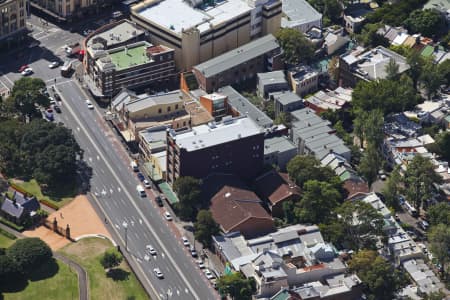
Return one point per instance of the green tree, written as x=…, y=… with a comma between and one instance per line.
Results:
x=370, y=164
x=392, y=189
x=29, y=254
x=26, y=93
x=297, y=48
x=439, y=238
x=444, y=70
x=333, y=68
x=442, y=142
x=283, y=118
x=205, y=227
x=11, y=132
x=306, y=167
x=318, y=202
x=363, y=233
x=392, y=70
x=288, y=212
x=188, y=190
x=369, y=36
x=111, y=259
x=377, y=274
x=372, y=126
x=8, y=269
x=418, y=180
x=439, y=214
x=431, y=78
x=359, y=125
x=386, y=95
x=236, y=286
x=415, y=62
x=428, y=22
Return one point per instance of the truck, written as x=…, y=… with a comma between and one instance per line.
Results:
x=73, y=49
x=66, y=69
x=141, y=191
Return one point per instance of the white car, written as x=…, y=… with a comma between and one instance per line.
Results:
x=185, y=241
x=193, y=252
x=52, y=100
x=53, y=65
x=208, y=274
x=27, y=71
x=151, y=250
x=158, y=273
x=168, y=216
x=89, y=104
x=147, y=184
x=200, y=264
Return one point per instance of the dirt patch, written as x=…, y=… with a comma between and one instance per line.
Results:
x=88, y=247
x=81, y=218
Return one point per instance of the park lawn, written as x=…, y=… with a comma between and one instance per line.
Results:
x=53, y=281
x=87, y=252
x=33, y=188
x=5, y=241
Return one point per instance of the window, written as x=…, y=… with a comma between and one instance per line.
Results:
x=159, y=110
x=176, y=106
x=168, y=108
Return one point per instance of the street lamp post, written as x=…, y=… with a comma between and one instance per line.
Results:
x=125, y=226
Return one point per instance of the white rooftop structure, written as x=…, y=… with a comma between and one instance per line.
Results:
x=118, y=34
x=208, y=135
x=300, y=14
x=179, y=15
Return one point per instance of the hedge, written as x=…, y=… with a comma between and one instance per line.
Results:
x=11, y=224
x=49, y=204
x=7, y=234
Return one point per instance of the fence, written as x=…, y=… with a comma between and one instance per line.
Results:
x=53, y=225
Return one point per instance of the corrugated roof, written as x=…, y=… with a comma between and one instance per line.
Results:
x=238, y=56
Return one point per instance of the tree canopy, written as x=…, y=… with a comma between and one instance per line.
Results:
x=377, y=274
x=306, y=167
x=442, y=145
x=428, y=22
x=385, y=95
x=369, y=36
x=439, y=238
x=26, y=92
x=394, y=13
x=189, y=192
x=330, y=9
x=297, y=48
x=418, y=180
x=29, y=253
x=431, y=78
x=439, y=214
x=370, y=164
x=237, y=286
x=111, y=259
x=205, y=227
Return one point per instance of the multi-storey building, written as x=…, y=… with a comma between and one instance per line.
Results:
x=199, y=30
x=66, y=10
x=234, y=146
x=12, y=19
x=238, y=65
x=117, y=57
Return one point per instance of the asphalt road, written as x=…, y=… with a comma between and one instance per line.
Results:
x=113, y=184
x=113, y=188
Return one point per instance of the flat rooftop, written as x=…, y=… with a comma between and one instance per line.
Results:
x=124, y=58
x=117, y=34
x=298, y=12
x=204, y=136
x=178, y=15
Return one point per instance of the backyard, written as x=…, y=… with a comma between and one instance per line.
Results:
x=87, y=252
x=5, y=241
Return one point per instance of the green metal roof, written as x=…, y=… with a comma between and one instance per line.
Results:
x=282, y=295
x=447, y=118
x=168, y=192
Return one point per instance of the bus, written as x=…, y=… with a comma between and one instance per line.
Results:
x=411, y=210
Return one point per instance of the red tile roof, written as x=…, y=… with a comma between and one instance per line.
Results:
x=275, y=186
x=232, y=206
x=355, y=186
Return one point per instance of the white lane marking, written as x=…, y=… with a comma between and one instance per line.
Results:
x=140, y=221
x=175, y=265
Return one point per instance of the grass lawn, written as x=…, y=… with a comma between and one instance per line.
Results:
x=54, y=280
x=87, y=252
x=5, y=241
x=33, y=188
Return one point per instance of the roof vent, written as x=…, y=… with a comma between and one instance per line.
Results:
x=227, y=195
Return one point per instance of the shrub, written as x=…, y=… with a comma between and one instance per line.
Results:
x=7, y=234
x=11, y=224
x=112, y=258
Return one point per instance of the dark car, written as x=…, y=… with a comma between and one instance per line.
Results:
x=57, y=108
x=57, y=97
x=140, y=176
x=159, y=201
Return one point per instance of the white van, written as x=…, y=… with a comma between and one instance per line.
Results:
x=141, y=190
x=134, y=166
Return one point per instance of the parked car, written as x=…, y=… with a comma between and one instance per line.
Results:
x=22, y=68
x=168, y=216
x=89, y=104
x=49, y=114
x=147, y=184
x=193, y=252
x=208, y=274
x=423, y=224
x=57, y=97
x=27, y=71
x=200, y=264
x=158, y=273
x=185, y=241
x=53, y=65
x=159, y=201
x=141, y=176
x=57, y=108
